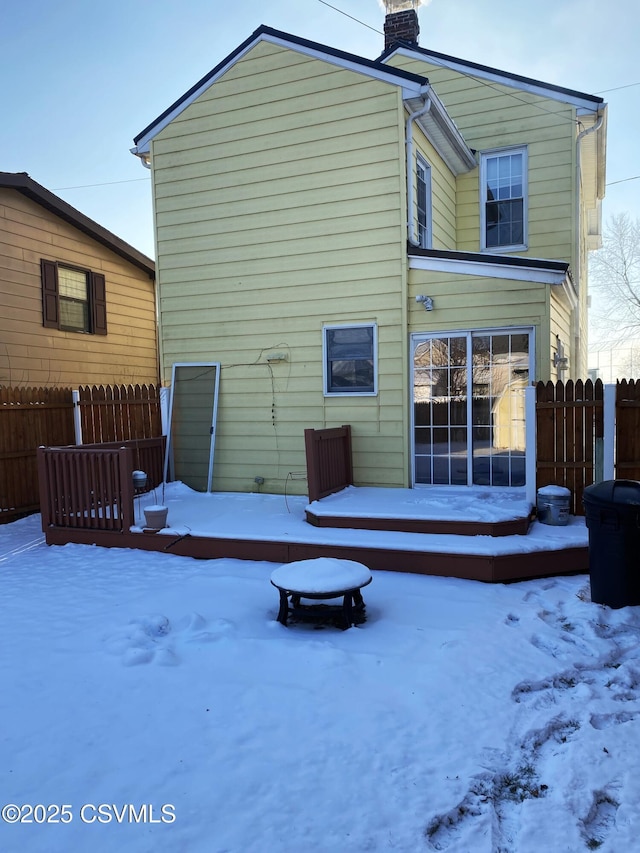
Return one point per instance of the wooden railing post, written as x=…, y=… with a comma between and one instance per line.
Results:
x=125, y=460
x=43, y=487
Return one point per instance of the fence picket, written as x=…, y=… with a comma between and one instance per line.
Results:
x=34, y=417
x=569, y=421
x=628, y=429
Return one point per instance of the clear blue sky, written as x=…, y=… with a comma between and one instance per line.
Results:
x=80, y=78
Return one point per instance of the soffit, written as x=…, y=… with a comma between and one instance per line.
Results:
x=21, y=182
x=440, y=129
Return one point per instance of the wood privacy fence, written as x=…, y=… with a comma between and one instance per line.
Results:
x=34, y=417
x=119, y=412
x=628, y=429
x=29, y=417
x=571, y=428
x=569, y=433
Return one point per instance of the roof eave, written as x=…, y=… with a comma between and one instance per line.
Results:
x=581, y=100
x=410, y=83
x=485, y=264
x=22, y=183
x=440, y=129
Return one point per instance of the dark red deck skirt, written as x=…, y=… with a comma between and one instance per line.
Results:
x=497, y=569
x=513, y=527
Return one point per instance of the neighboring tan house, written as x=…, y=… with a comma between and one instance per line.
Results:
x=396, y=244
x=77, y=302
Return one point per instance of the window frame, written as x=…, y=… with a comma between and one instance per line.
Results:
x=326, y=373
x=64, y=298
x=485, y=156
x=96, y=298
x=425, y=238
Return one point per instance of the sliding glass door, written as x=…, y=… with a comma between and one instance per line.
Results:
x=468, y=407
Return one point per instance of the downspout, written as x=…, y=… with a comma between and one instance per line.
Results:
x=580, y=137
x=409, y=145
x=426, y=106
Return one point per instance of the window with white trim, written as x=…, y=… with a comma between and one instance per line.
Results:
x=423, y=202
x=503, y=208
x=349, y=359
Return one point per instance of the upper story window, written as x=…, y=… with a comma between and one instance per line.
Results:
x=423, y=193
x=503, y=187
x=349, y=358
x=73, y=299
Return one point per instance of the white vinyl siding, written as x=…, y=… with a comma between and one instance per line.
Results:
x=280, y=199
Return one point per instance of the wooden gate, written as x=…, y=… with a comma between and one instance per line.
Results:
x=627, y=465
x=569, y=426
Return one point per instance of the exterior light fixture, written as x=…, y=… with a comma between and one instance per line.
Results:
x=427, y=302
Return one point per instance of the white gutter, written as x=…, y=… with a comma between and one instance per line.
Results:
x=409, y=146
x=144, y=157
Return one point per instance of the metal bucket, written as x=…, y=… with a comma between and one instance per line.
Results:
x=553, y=505
x=139, y=479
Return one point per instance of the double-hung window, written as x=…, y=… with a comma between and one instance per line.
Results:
x=349, y=359
x=423, y=202
x=503, y=189
x=73, y=299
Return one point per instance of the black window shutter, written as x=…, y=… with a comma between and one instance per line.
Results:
x=50, y=316
x=99, y=303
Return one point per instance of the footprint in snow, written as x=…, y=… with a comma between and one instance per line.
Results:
x=605, y=721
x=601, y=817
x=153, y=638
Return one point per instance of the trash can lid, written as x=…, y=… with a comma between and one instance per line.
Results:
x=613, y=492
x=554, y=491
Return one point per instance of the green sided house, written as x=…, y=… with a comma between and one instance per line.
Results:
x=397, y=244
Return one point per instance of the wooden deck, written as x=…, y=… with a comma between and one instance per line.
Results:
x=512, y=527
x=87, y=497
x=499, y=568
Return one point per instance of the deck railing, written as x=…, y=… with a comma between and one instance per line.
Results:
x=329, y=465
x=91, y=486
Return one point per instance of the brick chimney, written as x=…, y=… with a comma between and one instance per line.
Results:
x=401, y=26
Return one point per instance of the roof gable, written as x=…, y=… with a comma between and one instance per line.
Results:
x=580, y=100
x=416, y=90
x=411, y=84
x=22, y=183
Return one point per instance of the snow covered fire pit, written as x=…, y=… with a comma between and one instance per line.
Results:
x=317, y=580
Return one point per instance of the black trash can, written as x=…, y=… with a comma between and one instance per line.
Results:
x=612, y=510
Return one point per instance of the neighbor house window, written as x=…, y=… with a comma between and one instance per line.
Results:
x=350, y=354
x=73, y=299
x=423, y=199
x=503, y=187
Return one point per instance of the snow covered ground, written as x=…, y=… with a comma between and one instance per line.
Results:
x=152, y=703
